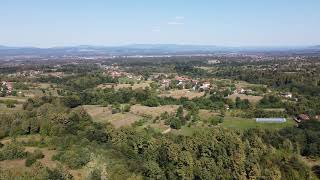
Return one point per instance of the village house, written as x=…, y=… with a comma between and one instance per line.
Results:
x=317, y=117
x=139, y=78
x=113, y=67
x=239, y=91
x=213, y=61
x=301, y=118
x=243, y=91
x=8, y=85
x=182, y=81
x=115, y=74
x=205, y=86
x=195, y=84
x=287, y=95
x=165, y=83
x=160, y=76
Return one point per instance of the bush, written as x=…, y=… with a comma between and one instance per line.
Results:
x=175, y=123
x=75, y=158
x=95, y=175
x=139, y=123
x=115, y=111
x=58, y=174
x=32, y=157
x=215, y=120
x=10, y=103
x=38, y=154
x=151, y=102
x=126, y=108
x=30, y=160
x=12, y=151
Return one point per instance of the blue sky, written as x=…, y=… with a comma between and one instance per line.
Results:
x=46, y=23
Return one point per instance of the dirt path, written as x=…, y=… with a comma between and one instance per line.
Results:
x=166, y=131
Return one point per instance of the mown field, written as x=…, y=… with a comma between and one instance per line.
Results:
x=104, y=115
x=252, y=99
x=141, y=85
x=242, y=123
x=177, y=94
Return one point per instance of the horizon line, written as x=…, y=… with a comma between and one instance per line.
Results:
x=154, y=44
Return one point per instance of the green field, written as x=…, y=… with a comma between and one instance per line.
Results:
x=16, y=98
x=5, y=109
x=241, y=123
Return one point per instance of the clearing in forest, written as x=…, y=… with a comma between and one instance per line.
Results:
x=153, y=111
x=104, y=114
x=177, y=94
x=252, y=99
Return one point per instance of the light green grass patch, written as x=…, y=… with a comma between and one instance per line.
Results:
x=242, y=123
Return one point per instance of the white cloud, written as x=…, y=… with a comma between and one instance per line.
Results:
x=175, y=23
x=156, y=29
x=178, y=20
x=179, y=17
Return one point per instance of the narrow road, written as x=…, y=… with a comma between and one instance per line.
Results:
x=166, y=131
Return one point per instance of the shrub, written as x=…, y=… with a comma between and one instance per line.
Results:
x=32, y=157
x=139, y=123
x=95, y=175
x=115, y=111
x=126, y=108
x=10, y=103
x=215, y=120
x=75, y=158
x=58, y=174
x=175, y=123
x=151, y=102
x=30, y=160
x=12, y=151
x=38, y=154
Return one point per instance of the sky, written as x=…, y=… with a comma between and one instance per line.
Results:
x=49, y=23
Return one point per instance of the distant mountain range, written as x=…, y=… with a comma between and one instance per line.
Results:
x=145, y=49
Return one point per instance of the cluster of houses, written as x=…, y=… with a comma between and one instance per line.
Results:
x=113, y=71
x=243, y=91
x=8, y=86
x=117, y=74
x=304, y=117
x=287, y=95
x=29, y=73
x=186, y=83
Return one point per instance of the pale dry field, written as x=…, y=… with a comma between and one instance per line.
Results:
x=243, y=84
x=206, y=114
x=141, y=85
x=252, y=99
x=177, y=94
x=19, y=99
x=153, y=111
x=104, y=114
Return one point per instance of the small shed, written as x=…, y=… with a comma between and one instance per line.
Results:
x=271, y=120
x=302, y=117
